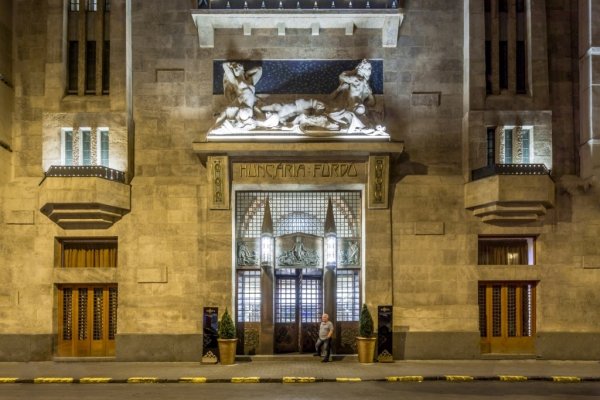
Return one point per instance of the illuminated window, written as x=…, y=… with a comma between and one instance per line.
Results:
x=73, y=5
x=102, y=147
x=348, y=296
x=506, y=251
x=85, y=146
x=510, y=145
x=92, y=5
x=248, y=298
x=66, y=150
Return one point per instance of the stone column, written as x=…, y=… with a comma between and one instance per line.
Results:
x=329, y=289
x=266, y=310
x=589, y=87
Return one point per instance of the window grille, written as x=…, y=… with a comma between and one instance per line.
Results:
x=482, y=311
x=73, y=5
x=285, y=300
x=527, y=310
x=67, y=327
x=496, y=311
x=298, y=212
x=311, y=296
x=86, y=147
x=67, y=146
x=347, y=295
x=511, y=311
x=248, y=298
x=98, y=313
x=82, y=320
x=112, y=312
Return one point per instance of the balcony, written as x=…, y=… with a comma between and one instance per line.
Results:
x=84, y=197
x=510, y=193
x=312, y=16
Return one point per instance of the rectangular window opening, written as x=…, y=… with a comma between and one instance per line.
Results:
x=73, y=67
x=506, y=251
x=90, y=67
x=87, y=253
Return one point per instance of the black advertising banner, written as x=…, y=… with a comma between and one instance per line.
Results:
x=384, y=334
x=210, y=324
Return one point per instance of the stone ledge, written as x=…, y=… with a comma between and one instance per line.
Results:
x=510, y=198
x=84, y=202
x=306, y=150
x=387, y=20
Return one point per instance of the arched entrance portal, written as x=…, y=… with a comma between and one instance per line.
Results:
x=298, y=254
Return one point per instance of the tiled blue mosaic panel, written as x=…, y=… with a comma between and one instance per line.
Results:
x=300, y=76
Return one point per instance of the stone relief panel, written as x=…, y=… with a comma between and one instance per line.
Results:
x=379, y=181
x=349, y=109
x=248, y=252
x=218, y=176
x=299, y=251
x=349, y=252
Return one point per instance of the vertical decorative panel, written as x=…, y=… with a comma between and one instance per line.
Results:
x=518, y=145
x=112, y=312
x=67, y=310
x=98, y=311
x=218, y=182
x=82, y=320
x=379, y=180
x=500, y=143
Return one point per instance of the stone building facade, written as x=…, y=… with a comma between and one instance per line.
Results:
x=475, y=216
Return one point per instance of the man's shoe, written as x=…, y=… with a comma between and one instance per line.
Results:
x=325, y=360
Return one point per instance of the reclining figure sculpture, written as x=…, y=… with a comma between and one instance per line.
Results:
x=347, y=113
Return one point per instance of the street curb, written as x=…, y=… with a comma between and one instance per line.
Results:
x=302, y=379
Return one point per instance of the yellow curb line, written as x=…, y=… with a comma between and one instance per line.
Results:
x=347, y=379
x=53, y=380
x=566, y=379
x=298, y=379
x=406, y=378
x=513, y=378
x=95, y=380
x=245, y=379
x=142, y=379
x=8, y=380
x=459, y=378
x=192, y=379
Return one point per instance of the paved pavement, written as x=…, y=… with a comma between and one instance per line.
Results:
x=302, y=369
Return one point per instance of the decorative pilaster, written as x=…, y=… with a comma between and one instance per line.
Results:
x=379, y=181
x=218, y=182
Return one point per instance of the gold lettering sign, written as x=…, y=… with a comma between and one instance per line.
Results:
x=345, y=171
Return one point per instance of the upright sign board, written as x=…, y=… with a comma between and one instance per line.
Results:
x=384, y=334
x=210, y=324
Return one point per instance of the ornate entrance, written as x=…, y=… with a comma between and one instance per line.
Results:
x=290, y=248
x=298, y=309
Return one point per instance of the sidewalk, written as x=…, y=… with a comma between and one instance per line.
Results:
x=299, y=371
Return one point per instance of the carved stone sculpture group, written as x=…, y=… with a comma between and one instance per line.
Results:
x=348, y=110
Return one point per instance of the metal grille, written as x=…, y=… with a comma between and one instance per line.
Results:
x=348, y=295
x=98, y=311
x=248, y=303
x=298, y=212
x=311, y=298
x=285, y=309
x=67, y=313
x=496, y=311
x=527, y=310
x=112, y=312
x=512, y=311
x=82, y=314
x=482, y=308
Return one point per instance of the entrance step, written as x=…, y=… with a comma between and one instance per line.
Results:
x=293, y=357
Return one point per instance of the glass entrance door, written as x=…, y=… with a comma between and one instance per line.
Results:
x=298, y=309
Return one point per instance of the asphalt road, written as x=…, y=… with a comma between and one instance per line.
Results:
x=325, y=391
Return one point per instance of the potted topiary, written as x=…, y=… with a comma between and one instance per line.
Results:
x=365, y=343
x=227, y=339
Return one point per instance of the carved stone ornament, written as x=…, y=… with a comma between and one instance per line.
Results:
x=299, y=251
x=348, y=111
